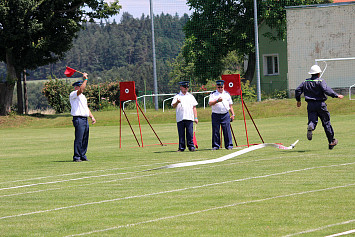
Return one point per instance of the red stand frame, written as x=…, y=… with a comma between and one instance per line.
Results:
x=233, y=86
x=127, y=92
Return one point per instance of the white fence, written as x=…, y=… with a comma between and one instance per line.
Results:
x=172, y=96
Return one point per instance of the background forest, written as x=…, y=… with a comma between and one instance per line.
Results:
x=118, y=52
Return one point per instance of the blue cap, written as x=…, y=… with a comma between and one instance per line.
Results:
x=78, y=83
x=219, y=82
x=184, y=83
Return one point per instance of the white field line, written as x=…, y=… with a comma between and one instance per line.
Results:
x=100, y=176
x=171, y=191
x=132, y=172
x=77, y=173
x=342, y=233
x=105, y=170
x=321, y=228
x=135, y=177
x=210, y=209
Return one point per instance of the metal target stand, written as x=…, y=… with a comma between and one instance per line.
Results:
x=233, y=87
x=128, y=92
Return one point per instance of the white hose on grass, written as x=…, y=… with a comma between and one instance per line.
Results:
x=227, y=157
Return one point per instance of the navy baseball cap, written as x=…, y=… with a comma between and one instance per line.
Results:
x=184, y=83
x=78, y=83
x=219, y=82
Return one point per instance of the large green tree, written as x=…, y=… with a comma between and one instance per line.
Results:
x=217, y=27
x=34, y=33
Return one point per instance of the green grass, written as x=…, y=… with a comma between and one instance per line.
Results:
x=267, y=192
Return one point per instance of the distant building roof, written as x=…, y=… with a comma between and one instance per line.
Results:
x=335, y=3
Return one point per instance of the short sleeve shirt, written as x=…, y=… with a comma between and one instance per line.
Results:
x=184, y=110
x=223, y=106
x=79, y=105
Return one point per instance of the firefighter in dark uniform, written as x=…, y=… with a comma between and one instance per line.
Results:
x=315, y=91
x=221, y=103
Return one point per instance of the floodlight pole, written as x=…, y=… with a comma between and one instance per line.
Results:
x=258, y=89
x=154, y=58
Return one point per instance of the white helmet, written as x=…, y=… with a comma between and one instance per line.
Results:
x=315, y=69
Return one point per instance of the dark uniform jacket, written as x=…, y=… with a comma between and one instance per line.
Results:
x=314, y=89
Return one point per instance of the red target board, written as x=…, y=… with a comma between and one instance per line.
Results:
x=127, y=91
x=232, y=84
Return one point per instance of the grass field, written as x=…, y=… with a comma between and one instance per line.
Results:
x=307, y=191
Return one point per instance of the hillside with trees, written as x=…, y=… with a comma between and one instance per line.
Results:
x=122, y=51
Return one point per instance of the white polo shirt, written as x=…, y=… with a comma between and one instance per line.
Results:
x=79, y=104
x=184, y=110
x=223, y=106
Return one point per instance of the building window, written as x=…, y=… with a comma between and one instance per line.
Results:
x=271, y=64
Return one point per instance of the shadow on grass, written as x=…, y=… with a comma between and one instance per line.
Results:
x=175, y=151
x=49, y=116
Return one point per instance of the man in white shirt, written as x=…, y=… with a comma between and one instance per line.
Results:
x=80, y=112
x=186, y=113
x=221, y=103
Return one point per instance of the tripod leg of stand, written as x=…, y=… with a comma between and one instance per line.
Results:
x=253, y=122
x=131, y=127
x=236, y=144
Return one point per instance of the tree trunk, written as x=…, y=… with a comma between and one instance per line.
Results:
x=25, y=91
x=6, y=92
x=19, y=95
x=7, y=87
x=249, y=74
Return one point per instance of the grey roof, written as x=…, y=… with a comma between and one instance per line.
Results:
x=320, y=5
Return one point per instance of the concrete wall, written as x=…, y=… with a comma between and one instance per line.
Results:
x=321, y=32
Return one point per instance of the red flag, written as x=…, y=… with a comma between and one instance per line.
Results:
x=232, y=84
x=194, y=138
x=69, y=72
x=127, y=91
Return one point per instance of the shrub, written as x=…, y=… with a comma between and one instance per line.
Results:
x=104, y=96
x=57, y=93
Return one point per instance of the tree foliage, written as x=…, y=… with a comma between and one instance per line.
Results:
x=34, y=33
x=218, y=27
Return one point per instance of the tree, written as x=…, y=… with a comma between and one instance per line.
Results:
x=218, y=27
x=34, y=33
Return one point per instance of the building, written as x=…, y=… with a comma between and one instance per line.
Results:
x=323, y=31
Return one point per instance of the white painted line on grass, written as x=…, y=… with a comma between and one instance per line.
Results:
x=342, y=233
x=77, y=173
x=209, y=209
x=134, y=177
x=320, y=228
x=105, y=170
x=171, y=191
x=107, y=175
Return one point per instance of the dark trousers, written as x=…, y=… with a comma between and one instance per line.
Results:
x=81, y=141
x=188, y=126
x=223, y=120
x=319, y=109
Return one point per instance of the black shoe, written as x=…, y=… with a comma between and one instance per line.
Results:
x=179, y=150
x=214, y=148
x=77, y=160
x=192, y=149
x=333, y=144
x=309, y=132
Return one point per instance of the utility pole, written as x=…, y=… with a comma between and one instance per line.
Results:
x=154, y=58
x=258, y=88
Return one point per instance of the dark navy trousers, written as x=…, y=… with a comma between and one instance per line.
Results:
x=223, y=120
x=319, y=109
x=188, y=126
x=81, y=141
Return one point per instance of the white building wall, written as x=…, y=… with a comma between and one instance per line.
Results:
x=321, y=32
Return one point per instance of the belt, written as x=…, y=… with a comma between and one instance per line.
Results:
x=80, y=117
